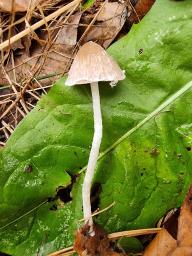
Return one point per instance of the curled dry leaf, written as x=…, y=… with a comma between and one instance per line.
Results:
x=99, y=244
x=165, y=245
x=108, y=24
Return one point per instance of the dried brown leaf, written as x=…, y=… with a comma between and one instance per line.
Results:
x=21, y=5
x=16, y=5
x=68, y=33
x=182, y=251
x=165, y=245
x=53, y=58
x=109, y=22
x=162, y=245
x=184, y=235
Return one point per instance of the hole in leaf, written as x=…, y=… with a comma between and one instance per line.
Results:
x=188, y=148
x=64, y=194
x=28, y=168
x=95, y=192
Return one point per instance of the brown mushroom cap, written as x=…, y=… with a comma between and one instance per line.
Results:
x=92, y=64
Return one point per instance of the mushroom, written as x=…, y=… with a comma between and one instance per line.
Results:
x=91, y=65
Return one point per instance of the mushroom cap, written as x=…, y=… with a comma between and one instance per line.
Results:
x=92, y=64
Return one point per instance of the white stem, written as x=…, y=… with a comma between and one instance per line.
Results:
x=86, y=191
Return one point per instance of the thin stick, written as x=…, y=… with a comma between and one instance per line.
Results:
x=69, y=249
x=6, y=133
x=38, y=24
x=38, y=83
x=7, y=126
x=20, y=111
x=24, y=106
x=15, y=23
x=103, y=210
x=137, y=232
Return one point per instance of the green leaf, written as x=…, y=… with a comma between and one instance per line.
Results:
x=87, y=4
x=145, y=159
x=130, y=244
x=43, y=229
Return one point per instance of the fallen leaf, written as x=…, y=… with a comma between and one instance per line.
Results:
x=51, y=58
x=182, y=251
x=162, y=245
x=108, y=24
x=165, y=245
x=68, y=33
x=184, y=236
x=60, y=53
x=20, y=5
x=17, y=5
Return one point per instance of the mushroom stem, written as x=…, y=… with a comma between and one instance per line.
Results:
x=86, y=191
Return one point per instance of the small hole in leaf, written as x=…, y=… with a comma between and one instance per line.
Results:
x=64, y=194
x=53, y=207
x=179, y=155
x=50, y=199
x=28, y=168
x=188, y=148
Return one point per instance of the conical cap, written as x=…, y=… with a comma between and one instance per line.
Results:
x=92, y=64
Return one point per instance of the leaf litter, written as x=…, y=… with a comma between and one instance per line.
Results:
x=165, y=244
x=32, y=63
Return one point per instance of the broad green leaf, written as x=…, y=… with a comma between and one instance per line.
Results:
x=145, y=163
